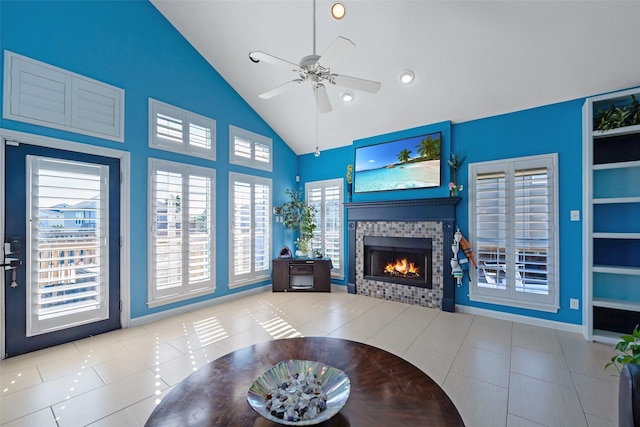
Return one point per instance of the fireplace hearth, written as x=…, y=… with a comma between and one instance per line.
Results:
x=404, y=260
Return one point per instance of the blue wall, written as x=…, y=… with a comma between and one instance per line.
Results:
x=129, y=44
x=554, y=128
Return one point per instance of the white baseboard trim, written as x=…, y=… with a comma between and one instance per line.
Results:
x=561, y=326
x=181, y=310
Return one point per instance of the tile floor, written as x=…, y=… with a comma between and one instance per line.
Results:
x=497, y=373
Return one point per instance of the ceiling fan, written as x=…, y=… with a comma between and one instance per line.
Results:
x=317, y=70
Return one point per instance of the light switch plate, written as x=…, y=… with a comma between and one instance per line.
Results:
x=574, y=304
x=575, y=215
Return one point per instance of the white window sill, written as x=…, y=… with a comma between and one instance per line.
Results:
x=549, y=308
x=177, y=298
x=248, y=282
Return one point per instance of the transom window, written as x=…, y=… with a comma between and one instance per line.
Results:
x=180, y=131
x=513, y=217
x=249, y=149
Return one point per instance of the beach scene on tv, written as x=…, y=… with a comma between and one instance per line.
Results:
x=397, y=165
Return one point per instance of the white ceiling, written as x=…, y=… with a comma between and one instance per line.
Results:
x=472, y=59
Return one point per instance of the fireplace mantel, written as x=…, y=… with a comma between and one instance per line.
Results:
x=438, y=209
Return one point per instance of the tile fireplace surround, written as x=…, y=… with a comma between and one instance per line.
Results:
x=430, y=218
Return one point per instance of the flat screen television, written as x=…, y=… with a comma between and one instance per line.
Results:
x=403, y=164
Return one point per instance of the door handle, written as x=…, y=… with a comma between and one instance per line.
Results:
x=11, y=263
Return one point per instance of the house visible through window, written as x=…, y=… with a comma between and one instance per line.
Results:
x=250, y=229
x=249, y=149
x=327, y=198
x=513, y=217
x=182, y=243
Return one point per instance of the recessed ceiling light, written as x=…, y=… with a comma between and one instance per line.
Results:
x=347, y=96
x=338, y=10
x=407, y=76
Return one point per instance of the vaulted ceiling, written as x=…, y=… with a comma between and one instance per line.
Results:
x=471, y=59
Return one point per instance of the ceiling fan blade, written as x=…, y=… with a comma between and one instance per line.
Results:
x=258, y=56
x=335, y=52
x=278, y=90
x=322, y=99
x=355, y=83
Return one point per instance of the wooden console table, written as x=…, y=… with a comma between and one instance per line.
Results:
x=301, y=274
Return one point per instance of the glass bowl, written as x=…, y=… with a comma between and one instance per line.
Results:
x=334, y=382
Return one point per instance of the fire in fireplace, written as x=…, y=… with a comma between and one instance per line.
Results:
x=404, y=260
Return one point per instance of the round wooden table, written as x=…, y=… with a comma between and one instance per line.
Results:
x=385, y=389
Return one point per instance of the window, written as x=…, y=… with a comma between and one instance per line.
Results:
x=513, y=217
x=63, y=293
x=326, y=196
x=41, y=94
x=249, y=149
x=250, y=228
x=180, y=131
x=182, y=241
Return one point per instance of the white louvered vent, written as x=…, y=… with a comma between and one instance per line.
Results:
x=41, y=94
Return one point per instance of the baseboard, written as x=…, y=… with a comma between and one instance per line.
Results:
x=551, y=324
x=185, y=309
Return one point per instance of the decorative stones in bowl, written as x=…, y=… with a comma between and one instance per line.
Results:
x=335, y=384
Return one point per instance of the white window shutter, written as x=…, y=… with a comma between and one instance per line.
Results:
x=45, y=95
x=250, y=149
x=513, y=211
x=250, y=228
x=182, y=238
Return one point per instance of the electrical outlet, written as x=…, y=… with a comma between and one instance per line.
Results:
x=574, y=304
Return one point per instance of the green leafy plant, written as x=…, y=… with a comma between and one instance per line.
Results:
x=617, y=116
x=629, y=350
x=634, y=111
x=297, y=215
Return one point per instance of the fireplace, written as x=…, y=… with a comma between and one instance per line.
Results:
x=405, y=260
x=431, y=222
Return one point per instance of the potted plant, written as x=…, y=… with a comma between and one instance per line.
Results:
x=628, y=350
x=297, y=215
x=627, y=362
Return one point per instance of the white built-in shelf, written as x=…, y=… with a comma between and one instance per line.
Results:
x=613, y=200
x=616, y=303
x=616, y=236
x=618, y=165
x=606, y=337
x=615, y=132
x=607, y=306
x=635, y=271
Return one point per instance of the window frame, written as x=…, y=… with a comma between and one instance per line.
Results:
x=336, y=272
x=254, y=139
x=186, y=118
x=510, y=296
x=186, y=290
x=252, y=277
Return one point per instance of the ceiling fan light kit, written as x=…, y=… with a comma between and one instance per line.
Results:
x=317, y=70
x=347, y=96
